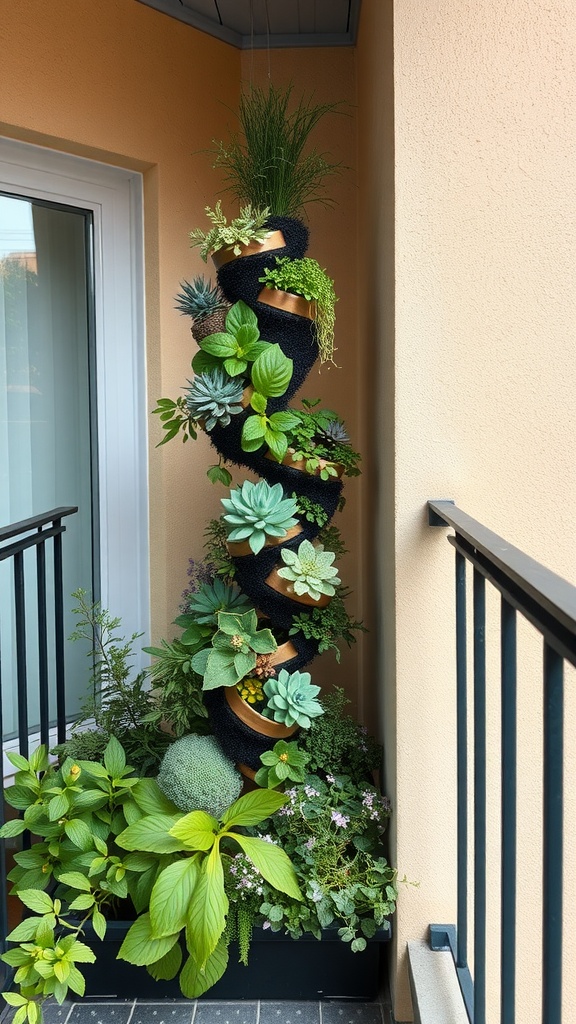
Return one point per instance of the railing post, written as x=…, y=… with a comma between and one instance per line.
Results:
x=462, y=763
x=552, y=863
x=479, y=798
x=508, y=777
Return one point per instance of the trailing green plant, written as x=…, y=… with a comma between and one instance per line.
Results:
x=234, y=650
x=119, y=700
x=248, y=226
x=270, y=163
x=200, y=299
x=306, y=277
x=310, y=570
x=330, y=536
x=214, y=397
x=195, y=774
x=291, y=699
x=284, y=763
x=332, y=830
x=257, y=512
x=336, y=743
x=328, y=626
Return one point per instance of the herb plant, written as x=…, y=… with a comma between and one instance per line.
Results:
x=327, y=625
x=337, y=743
x=306, y=277
x=249, y=226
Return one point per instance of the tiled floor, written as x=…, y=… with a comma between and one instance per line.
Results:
x=205, y=1012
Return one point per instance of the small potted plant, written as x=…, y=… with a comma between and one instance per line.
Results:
x=245, y=235
x=205, y=304
x=301, y=286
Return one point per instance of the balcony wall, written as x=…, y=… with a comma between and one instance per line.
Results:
x=468, y=292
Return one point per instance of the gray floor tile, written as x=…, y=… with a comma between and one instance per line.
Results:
x=54, y=1013
x=226, y=1013
x=163, y=1013
x=297, y=1012
x=100, y=1013
x=351, y=1013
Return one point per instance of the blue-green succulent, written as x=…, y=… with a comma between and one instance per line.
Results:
x=258, y=511
x=199, y=299
x=212, y=598
x=291, y=699
x=310, y=570
x=214, y=397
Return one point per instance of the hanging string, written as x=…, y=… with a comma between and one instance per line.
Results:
x=267, y=36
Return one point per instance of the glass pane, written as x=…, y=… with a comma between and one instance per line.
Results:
x=46, y=440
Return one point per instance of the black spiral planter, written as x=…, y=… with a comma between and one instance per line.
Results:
x=239, y=280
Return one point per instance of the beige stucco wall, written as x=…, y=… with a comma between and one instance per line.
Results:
x=483, y=361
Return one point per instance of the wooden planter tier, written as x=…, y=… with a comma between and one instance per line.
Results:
x=286, y=588
x=300, y=464
x=289, y=302
x=275, y=240
x=240, y=548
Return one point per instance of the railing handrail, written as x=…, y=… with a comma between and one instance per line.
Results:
x=540, y=594
x=25, y=525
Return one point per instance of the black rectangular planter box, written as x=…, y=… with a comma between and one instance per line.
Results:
x=279, y=968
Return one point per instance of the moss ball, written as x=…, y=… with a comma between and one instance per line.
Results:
x=197, y=776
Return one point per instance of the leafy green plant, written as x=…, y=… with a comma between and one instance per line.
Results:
x=310, y=570
x=195, y=774
x=256, y=512
x=235, y=649
x=176, y=419
x=189, y=893
x=306, y=277
x=249, y=226
x=270, y=163
x=284, y=763
x=332, y=830
x=319, y=439
x=336, y=743
x=119, y=699
x=233, y=349
x=271, y=374
x=311, y=510
x=200, y=299
x=214, y=397
x=291, y=699
x=328, y=625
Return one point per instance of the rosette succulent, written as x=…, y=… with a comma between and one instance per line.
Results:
x=291, y=699
x=212, y=598
x=258, y=511
x=235, y=649
x=199, y=299
x=310, y=569
x=214, y=397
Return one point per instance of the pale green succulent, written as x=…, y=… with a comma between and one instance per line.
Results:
x=214, y=397
x=291, y=699
x=258, y=511
x=310, y=569
x=216, y=597
x=234, y=651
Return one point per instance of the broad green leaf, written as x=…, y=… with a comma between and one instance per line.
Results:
x=252, y=446
x=220, y=671
x=208, y=909
x=203, y=362
x=88, y=799
x=253, y=429
x=19, y=797
x=258, y=402
x=26, y=930
x=244, y=663
x=193, y=982
x=272, y=372
x=239, y=314
x=114, y=758
x=61, y=969
x=140, y=947
x=283, y=421
x=58, y=806
x=14, y=998
x=168, y=966
x=272, y=863
x=277, y=443
x=80, y=953
x=152, y=834
x=263, y=642
x=170, y=897
x=21, y=1014
x=12, y=828
x=82, y=902
x=219, y=475
x=151, y=799
x=18, y=761
x=139, y=861
x=253, y=808
x=94, y=769
x=219, y=344
x=34, y=899
x=246, y=338
x=235, y=366
x=79, y=834
x=76, y=981
x=99, y=924
x=75, y=880
x=15, y=957
x=197, y=830
x=39, y=759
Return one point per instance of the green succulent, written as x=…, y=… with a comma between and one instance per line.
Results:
x=249, y=226
x=258, y=511
x=199, y=299
x=215, y=597
x=284, y=763
x=306, y=277
x=234, y=651
x=196, y=775
x=233, y=349
x=310, y=569
x=214, y=397
x=291, y=699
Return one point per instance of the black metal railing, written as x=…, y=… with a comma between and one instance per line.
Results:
x=549, y=603
x=34, y=549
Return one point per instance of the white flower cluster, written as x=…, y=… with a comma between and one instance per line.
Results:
x=247, y=879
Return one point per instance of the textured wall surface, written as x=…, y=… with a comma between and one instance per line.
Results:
x=483, y=353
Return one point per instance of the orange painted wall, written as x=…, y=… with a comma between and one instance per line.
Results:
x=122, y=83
